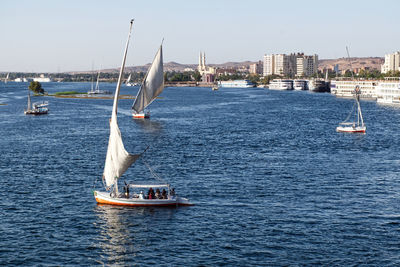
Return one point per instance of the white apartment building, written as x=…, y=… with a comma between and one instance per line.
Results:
x=293, y=64
x=392, y=62
x=281, y=64
x=307, y=65
x=269, y=65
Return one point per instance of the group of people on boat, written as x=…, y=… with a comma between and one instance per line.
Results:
x=151, y=194
x=159, y=194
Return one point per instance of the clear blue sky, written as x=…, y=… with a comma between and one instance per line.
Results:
x=68, y=35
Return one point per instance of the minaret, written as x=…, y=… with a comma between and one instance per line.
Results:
x=199, y=68
x=204, y=61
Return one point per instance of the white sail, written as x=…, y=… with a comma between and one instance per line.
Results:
x=97, y=82
x=129, y=79
x=118, y=159
x=153, y=84
x=8, y=75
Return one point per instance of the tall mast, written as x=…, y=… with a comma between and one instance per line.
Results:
x=115, y=105
x=29, y=100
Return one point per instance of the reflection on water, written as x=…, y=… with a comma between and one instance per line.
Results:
x=125, y=232
x=149, y=126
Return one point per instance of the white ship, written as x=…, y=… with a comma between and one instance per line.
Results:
x=318, y=85
x=281, y=84
x=236, y=84
x=388, y=91
x=25, y=80
x=345, y=88
x=42, y=79
x=300, y=84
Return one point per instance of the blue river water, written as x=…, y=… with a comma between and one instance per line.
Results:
x=273, y=183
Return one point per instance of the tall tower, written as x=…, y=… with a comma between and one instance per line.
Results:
x=204, y=61
x=200, y=67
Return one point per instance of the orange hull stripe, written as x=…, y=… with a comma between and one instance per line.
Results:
x=103, y=201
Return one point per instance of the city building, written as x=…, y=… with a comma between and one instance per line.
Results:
x=306, y=65
x=221, y=72
x=392, y=62
x=290, y=65
x=268, y=65
x=256, y=68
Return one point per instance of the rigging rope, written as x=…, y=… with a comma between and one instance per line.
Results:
x=351, y=112
x=155, y=175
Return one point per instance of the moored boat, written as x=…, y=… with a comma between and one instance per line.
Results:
x=299, y=84
x=318, y=85
x=38, y=108
x=236, y=84
x=281, y=84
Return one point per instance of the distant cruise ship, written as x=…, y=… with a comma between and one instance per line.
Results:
x=300, y=84
x=388, y=92
x=281, y=84
x=345, y=88
x=236, y=84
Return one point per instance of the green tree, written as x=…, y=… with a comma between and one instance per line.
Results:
x=197, y=76
x=348, y=73
x=36, y=87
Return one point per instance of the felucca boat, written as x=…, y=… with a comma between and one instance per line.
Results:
x=357, y=126
x=151, y=87
x=96, y=90
x=118, y=160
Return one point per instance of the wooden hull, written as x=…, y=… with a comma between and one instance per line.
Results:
x=105, y=198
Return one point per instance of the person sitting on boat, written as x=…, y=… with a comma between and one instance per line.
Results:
x=164, y=194
x=126, y=189
x=172, y=192
x=151, y=193
x=158, y=193
x=141, y=195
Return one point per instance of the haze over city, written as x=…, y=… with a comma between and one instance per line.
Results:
x=58, y=36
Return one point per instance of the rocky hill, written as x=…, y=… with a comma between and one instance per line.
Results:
x=356, y=62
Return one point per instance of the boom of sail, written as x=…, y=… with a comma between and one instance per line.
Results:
x=153, y=84
x=118, y=160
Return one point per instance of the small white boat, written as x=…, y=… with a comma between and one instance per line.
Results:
x=38, y=108
x=357, y=126
x=118, y=160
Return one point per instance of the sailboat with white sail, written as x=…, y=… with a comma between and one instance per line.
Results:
x=96, y=90
x=118, y=160
x=128, y=81
x=356, y=126
x=37, y=108
x=151, y=87
x=6, y=79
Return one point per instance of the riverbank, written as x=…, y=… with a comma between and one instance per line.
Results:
x=189, y=84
